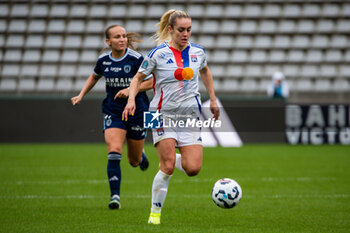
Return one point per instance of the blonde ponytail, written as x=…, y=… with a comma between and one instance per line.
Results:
x=168, y=19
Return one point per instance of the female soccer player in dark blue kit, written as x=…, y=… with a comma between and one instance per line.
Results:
x=119, y=67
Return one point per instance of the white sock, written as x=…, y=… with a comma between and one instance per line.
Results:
x=159, y=191
x=178, y=163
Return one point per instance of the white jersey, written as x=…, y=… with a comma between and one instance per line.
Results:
x=163, y=61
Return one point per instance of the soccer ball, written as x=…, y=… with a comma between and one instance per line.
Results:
x=226, y=193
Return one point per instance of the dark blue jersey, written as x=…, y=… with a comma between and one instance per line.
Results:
x=118, y=74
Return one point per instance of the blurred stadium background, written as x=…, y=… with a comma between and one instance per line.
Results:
x=48, y=48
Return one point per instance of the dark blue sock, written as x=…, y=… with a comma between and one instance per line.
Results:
x=114, y=172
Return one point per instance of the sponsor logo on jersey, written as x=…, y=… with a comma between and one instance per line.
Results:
x=115, y=69
x=170, y=61
x=106, y=63
x=166, y=55
x=106, y=70
x=118, y=82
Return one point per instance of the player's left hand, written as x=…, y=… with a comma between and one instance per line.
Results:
x=122, y=93
x=214, y=108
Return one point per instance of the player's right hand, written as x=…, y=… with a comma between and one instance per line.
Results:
x=128, y=110
x=76, y=100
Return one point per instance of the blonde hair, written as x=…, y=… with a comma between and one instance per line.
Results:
x=168, y=19
x=132, y=37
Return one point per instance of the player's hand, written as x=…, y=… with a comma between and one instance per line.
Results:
x=122, y=93
x=76, y=100
x=214, y=108
x=128, y=110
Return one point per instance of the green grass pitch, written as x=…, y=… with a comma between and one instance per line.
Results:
x=63, y=188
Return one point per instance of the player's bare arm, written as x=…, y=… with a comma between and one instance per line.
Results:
x=207, y=79
x=145, y=86
x=133, y=90
x=89, y=84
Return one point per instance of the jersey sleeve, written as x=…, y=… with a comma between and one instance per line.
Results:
x=97, y=70
x=148, y=65
x=204, y=61
x=148, y=77
x=141, y=60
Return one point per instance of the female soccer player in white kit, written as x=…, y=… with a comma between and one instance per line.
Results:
x=176, y=65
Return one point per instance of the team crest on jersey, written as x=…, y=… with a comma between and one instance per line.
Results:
x=194, y=58
x=127, y=68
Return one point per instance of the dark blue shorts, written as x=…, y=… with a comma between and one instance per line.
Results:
x=134, y=125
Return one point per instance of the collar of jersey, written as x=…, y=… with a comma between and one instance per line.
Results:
x=167, y=44
x=118, y=59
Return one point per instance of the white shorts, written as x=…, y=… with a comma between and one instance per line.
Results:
x=183, y=138
x=184, y=134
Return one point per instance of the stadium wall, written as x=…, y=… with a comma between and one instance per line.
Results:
x=50, y=120
x=38, y=119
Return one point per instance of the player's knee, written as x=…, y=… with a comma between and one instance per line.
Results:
x=168, y=168
x=192, y=171
x=168, y=171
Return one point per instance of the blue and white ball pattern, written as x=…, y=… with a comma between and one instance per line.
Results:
x=226, y=193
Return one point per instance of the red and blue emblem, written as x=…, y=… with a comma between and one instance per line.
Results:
x=194, y=58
